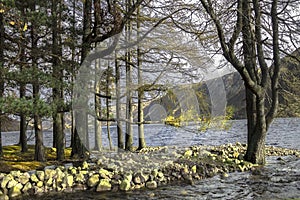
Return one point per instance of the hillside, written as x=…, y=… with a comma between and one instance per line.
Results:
x=289, y=94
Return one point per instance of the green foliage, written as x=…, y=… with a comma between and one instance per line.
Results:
x=28, y=107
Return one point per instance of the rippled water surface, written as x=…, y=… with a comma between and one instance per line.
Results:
x=279, y=179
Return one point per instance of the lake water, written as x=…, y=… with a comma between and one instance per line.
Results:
x=279, y=179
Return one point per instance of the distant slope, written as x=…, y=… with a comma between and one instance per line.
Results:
x=289, y=93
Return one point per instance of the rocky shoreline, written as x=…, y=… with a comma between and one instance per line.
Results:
x=148, y=168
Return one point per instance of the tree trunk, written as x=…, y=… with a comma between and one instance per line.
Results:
x=142, y=142
x=39, y=146
x=23, y=126
x=129, y=117
x=118, y=105
x=78, y=149
x=256, y=143
x=1, y=73
x=254, y=99
x=57, y=75
x=98, y=124
x=108, y=75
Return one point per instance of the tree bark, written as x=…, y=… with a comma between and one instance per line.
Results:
x=78, y=148
x=129, y=116
x=98, y=124
x=23, y=126
x=39, y=146
x=57, y=75
x=118, y=105
x=2, y=32
x=256, y=82
x=142, y=142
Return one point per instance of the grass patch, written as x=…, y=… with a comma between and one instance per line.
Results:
x=14, y=159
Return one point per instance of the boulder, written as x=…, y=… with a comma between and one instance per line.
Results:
x=34, y=178
x=5, y=180
x=85, y=165
x=40, y=175
x=79, y=177
x=49, y=173
x=69, y=180
x=27, y=187
x=11, y=183
x=104, y=185
x=105, y=174
x=125, y=185
x=151, y=184
x=24, y=178
x=15, y=190
x=128, y=176
x=93, y=180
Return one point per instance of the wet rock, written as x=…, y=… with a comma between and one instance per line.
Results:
x=104, y=185
x=154, y=173
x=27, y=187
x=93, y=180
x=69, y=180
x=224, y=175
x=125, y=185
x=40, y=184
x=151, y=184
x=194, y=169
x=5, y=180
x=79, y=177
x=128, y=176
x=11, y=183
x=15, y=190
x=105, y=174
x=79, y=187
x=49, y=173
x=24, y=178
x=15, y=173
x=85, y=165
x=40, y=175
x=49, y=182
x=188, y=153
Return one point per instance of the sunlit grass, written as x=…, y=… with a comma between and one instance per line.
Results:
x=14, y=159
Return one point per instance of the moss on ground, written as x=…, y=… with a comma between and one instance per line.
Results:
x=14, y=159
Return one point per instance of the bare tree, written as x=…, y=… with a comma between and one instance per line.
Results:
x=251, y=38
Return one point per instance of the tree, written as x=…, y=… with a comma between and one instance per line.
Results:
x=39, y=145
x=142, y=142
x=57, y=73
x=254, y=26
x=1, y=69
x=107, y=22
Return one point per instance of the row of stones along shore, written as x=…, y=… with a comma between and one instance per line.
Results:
x=150, y=168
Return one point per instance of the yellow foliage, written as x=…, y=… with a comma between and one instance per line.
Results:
x=12, y=23
x=25, y=27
